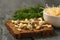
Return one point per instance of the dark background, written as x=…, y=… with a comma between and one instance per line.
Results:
x=8, y=7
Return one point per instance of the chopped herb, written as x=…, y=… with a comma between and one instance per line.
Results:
x=30, y=12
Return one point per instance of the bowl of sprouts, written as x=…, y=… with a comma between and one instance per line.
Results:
x=52, y=15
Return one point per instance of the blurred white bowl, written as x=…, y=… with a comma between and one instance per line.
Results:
x=54, y=20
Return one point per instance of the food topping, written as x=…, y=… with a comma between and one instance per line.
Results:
x=30, y=12
x=19, y=29
x=53, y=11
x=30, y=24
x=30, y=27
x=38, y=27
x=16, y=26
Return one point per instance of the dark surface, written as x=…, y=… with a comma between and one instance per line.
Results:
x=8, y=7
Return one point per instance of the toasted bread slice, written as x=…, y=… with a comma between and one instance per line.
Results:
x=48, y=31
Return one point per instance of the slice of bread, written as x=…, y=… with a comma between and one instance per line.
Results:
x=48, y=31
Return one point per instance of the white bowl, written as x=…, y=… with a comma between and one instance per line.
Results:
x=54, y=20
